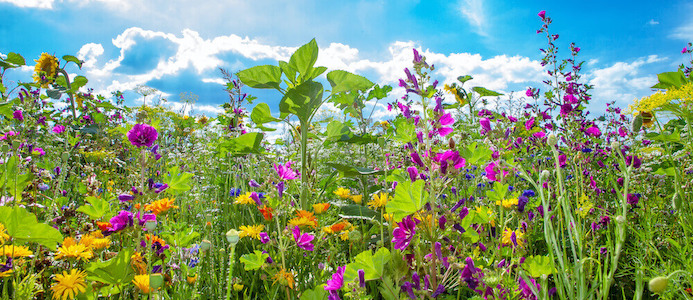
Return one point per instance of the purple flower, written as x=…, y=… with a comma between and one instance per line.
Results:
x=633, y=199
x=58, y=129
x=542, y=14
x=404, y=232
x=529, y=124
x=253, y=183
x=413, y=173
x=362, y=278
x=285, y=172
x=280, y=189
x=529, y=92
x=142, y=135
x=17, y=115
x=684, y=50
x=126, y=197
x=594, y=131
x=120, y=221
x=415, y=158
x=144, y=218
x=485, y=125
x=303, y=240
x=264, y=237
x=471, y=274
x=336, y=283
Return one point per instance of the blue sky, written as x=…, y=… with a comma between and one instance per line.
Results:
x=176, y=46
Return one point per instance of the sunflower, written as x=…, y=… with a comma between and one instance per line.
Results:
x=142, y=283
x=3, y=234
x=252, y=231
x=319, y=208
x=342, y=193
x=379, y=201
x=46, y=69
x=69, y=285
x=160, y=206
x=77, y=251
x=15, y=251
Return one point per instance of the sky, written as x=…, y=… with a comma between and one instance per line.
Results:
x=177, y=46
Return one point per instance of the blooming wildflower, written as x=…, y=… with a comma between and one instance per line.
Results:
x=337, y=227
x=191, y=279
x=485, y=125
x=70, y=249
x=542, y=14
x=17, y=115
x=142, y=283
x=122, y=220
x=142, y=135
x=46, y=69
x=160, y=206
x=3, y=234
x=252, y=231
x=357, y=198
x=264, y=237
x=471, y=274
x=413, y=173
x=491, y=172
x=69, y=285
x=507, y=203
x=138, y=264
x=15, y=251
x=319, y=208
x=343, y=193
x=513, y=237
x=525, y=290
x=304, y=218
x=403, y=234
x=284, y=278
x=244, y=199
x=266, y=212
x=379, y=200
x=303, y=240
x=594, y=131
x=335, y=284
x=285, y=172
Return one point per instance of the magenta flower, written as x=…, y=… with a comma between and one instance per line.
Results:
x=684, y=50
x=17, y=115
x=529, y=124
x=529, y=92
x=122, y=220
x=542, y=14
x=492, y=172
x=413, y=173
x=594, y=131
x=142, y=135
x=404, y=232
x=264, y=237
x=303, y=240
x=58, y=129
x=285, y=172
x=485, y=125
x=335, y=284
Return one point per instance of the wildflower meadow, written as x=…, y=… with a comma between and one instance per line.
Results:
x=460, y=196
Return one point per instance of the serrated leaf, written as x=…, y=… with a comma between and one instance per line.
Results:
x=54, y=94
x=262, y=77
x=22, y=226
x=288, y=71
x=409, y=198
x=669, y=80
x=379, y=92
x=254, y=261
x=302, y=100
x=261, y=114
x=98, y=208
x=78, y=82
x=343, y=81
x=304, y=59
x=177, y=181
x=73, y=59
x=338, y=131
x=372, y=265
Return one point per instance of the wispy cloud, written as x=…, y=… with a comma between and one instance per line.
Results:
x=653, y=22
x=43, y=4
x=623, y=81
x=473, y=12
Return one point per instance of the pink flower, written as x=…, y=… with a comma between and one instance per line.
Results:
x=529, y=124
x=622, y=131
x=529, y=92
x=337, y=281
x=142, y=135
x=492, y=172
x=684, y=50
x=539, y=134
x=485, y=125
x=542, y=14
x=59, y=129
x=594, y=131
x=303, y=240
x=404, y=232
x=285, y=172
x=17, y=115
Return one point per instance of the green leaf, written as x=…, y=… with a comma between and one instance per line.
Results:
x=254, y=261
x=181, y=237
x=23, y=227
x=99, y=207
x=302, y=100
x=379, y=92
x=669, y=80
x=288, y=71
x=338, y=131
x=351, y=171
x=54, y=94
x=343, y=81
x=372, y=265
x=73, y=59
x=78, y=82
x=464, y=78
x=671, y=171
x=115, y=271
x=498, y=193
x=177, y=181
x=665, y=136
x=471, y=236
x=242, y=145
x=261, y=114
x=16, y=59
x=317, y=293
x=538, y=265
x=405, y=130
x=304, y=58
x=262, y=77
x=355, y=211
x=474, y=153
x=409, y=198
x=388, y=289
x=483, y=92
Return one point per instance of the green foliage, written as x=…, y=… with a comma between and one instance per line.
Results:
x=372, y=264
x=242, y=145
x=254, y=261
x=115, y=271
x=23, y=227
x=351, y=171
x=538, y=265
x=177, y=181
x=261, y=114
x=262, y=77
x=409, y=198
x=99, y=207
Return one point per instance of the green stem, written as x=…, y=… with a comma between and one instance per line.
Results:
x=304, y=165
x=70, y=93
x=232, y=261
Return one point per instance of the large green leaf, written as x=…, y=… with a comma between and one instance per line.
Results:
x=304, y=58
x=242, y=145
x=99, y=207
x=23, y=227
x=338, y=131
x=177, y=181
x=261, y=114
x=483, y=92
x=73, y=59
x=355, y=211
x=254, y=261
x=409, y=198
x=16, y=59
x=669, y=80
x=372, y=265
x=539, y=265
x=464, y=78
x=405, y=131
x=351, y=171
x=78, y=82
x=317, y=293
x=302, y=100
x=262, y=77
x=379, y=92
x=115, y=271
x=343, y=81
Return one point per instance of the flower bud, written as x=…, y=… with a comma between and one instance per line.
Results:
x=544, y=175
x=553, y=140
x=150, y=225
x=620, y=219
x=156, y=281
x=451, y=144
x=232, y=236
x=658, y=284
x=636, y=124
x=615, y=145
x=205, y=245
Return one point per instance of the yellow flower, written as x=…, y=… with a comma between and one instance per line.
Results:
x=142, y=283
x=252, y=231
x=16, y=251
x=489, y=212
x=319, y=208
x=244, y=199
x=455, y=92
x=342, y=193
x=379, y=200
x=3, y=234
x=337, y=227
x=357, y=198
x=6, y=273
x=508, y=237
x=69, y=285
x=77, y=251
x=507, y=203
x=385, y=124
x=138, y=264
x=284, y=278
x=585, y=206
x=191, y=279
x=237, y=287
x=160, y=206
x=46, y=69
x=304, y=218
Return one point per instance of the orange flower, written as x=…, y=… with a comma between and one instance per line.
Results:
x=160, y=206
x=152, y=239
x=304, y=218
x=319, y=208
x=266, y=212
x=103, y=226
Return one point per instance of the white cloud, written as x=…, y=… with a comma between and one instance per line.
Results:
x=623, y=81
x=653, y=22
x=89, y=53
x=43, y=4
x=473, y=12
x=683, y=32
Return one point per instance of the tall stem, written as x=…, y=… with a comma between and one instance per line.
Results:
x=304, y=165
x=70, y=93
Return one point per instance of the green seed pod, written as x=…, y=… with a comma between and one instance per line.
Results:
x=205, y=245
x=156, y=281
x=232, y=236
x=636, y=124
x=552, y=139
x=658, y=284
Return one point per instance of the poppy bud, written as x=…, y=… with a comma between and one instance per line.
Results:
x=553, y=140
x=658, y=284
